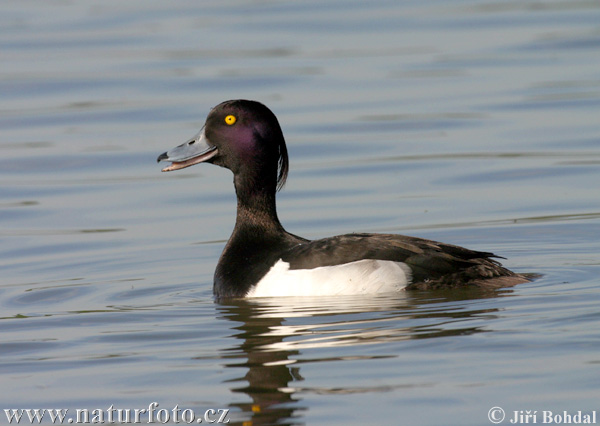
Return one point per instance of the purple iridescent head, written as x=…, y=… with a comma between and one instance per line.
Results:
x=243, y=136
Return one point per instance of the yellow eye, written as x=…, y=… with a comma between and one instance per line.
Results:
x=230, y=119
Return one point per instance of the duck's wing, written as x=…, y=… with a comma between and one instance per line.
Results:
x=432, y=264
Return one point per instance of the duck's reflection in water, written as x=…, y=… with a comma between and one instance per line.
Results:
x=274, y=335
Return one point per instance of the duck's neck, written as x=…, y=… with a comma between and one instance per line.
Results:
x=257, y=241
x=256, y=208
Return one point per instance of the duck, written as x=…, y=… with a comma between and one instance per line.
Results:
x=262, y=259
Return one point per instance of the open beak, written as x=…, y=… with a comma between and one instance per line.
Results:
x=196, y=150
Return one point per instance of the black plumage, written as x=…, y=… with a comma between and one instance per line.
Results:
x=245, y=137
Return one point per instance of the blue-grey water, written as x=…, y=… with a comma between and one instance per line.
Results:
x=471, y=122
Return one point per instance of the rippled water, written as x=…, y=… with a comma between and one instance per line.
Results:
x=470, y=122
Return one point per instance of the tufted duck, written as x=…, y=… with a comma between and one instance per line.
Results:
x=262, y=259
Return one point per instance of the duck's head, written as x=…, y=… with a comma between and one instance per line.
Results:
x=243, y=136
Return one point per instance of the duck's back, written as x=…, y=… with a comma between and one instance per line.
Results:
x=431, y=264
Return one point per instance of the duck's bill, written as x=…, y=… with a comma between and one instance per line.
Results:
x=197, y=150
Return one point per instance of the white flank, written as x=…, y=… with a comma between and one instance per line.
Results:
x=361, y=277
